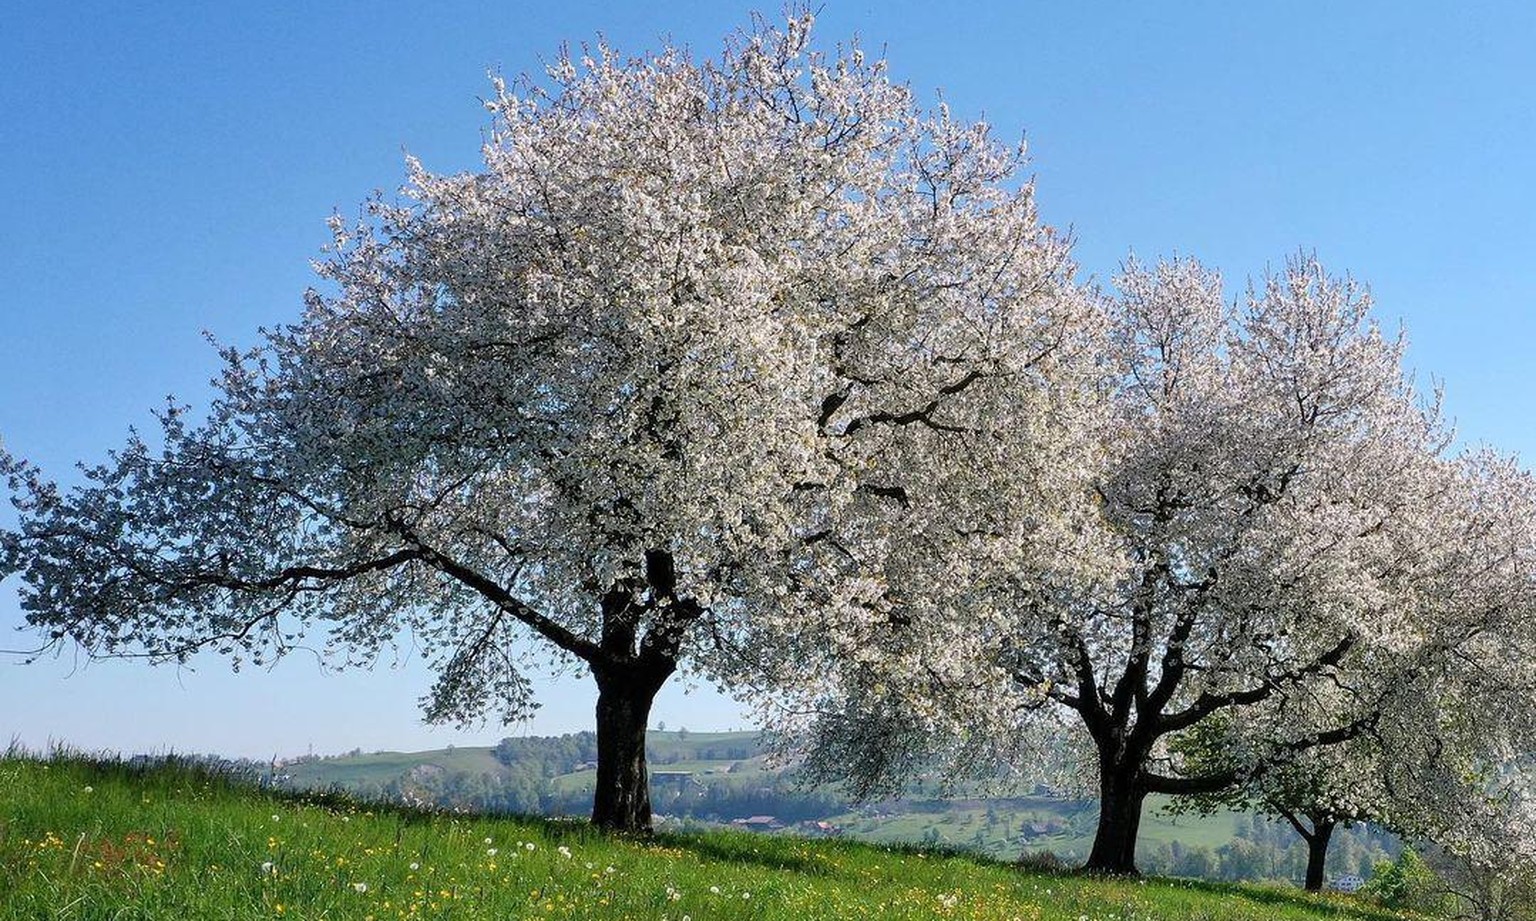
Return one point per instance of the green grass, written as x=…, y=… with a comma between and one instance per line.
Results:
x=90, y=840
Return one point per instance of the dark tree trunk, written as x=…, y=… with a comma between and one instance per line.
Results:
x=1120, y=800
x=1317, y=853
x=1317, y=831
x=622, y=801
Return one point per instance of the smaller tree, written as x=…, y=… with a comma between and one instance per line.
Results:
x=1480, y=890
x=1316, y=792
x=1248, y=480
x=1422, y=765
x=1484, y=851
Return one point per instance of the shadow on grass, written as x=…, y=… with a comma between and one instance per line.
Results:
x=1259, y=895
x=746, y=848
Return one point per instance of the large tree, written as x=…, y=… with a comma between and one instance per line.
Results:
x=596, y=395
x=1269, y=526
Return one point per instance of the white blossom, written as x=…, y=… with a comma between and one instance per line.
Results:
x=601, y=394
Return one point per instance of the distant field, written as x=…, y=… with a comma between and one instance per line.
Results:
x=729, y=772
x=380, y=767
x=83, y=840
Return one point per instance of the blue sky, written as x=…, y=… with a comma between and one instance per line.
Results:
x=167, y=169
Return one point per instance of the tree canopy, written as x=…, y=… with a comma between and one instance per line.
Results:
x=598, y=394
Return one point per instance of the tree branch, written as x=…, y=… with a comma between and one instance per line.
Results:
x=494, y=592
x=1208, y=703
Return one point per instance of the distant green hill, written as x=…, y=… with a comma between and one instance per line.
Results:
x=554, y=758
x=712, y=779
x=91, y=840
x=352, y=771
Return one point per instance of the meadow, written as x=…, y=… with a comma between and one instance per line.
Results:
x=92, y=839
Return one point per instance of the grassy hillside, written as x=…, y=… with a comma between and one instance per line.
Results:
x=89, y=840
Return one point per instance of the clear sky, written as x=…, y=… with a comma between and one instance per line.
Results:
x=167, y=167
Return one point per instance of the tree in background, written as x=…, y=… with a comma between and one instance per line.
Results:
x=1316, y=792
x=1446, y=720
x=1274, y=526
x=586, y=405
x=1486, y=865
x=1407, y=884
